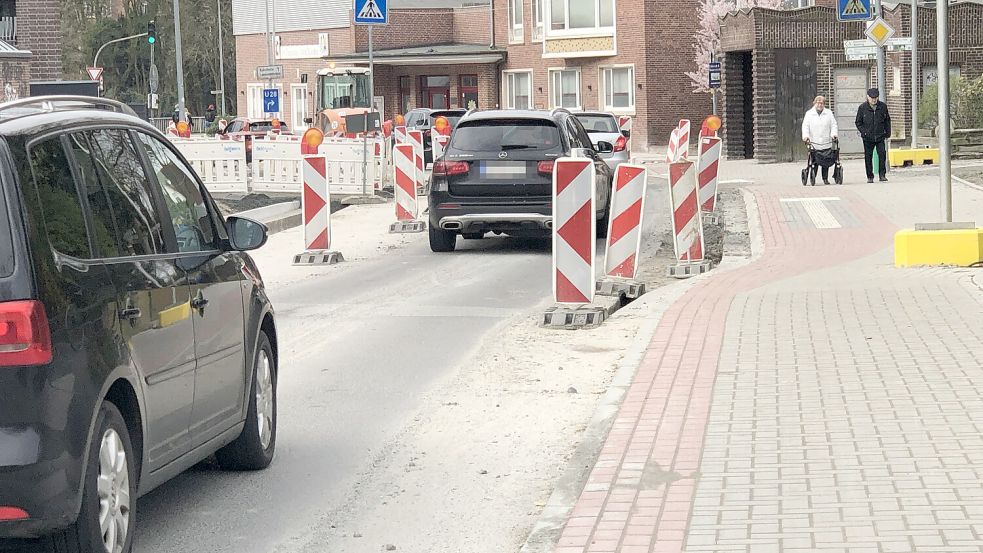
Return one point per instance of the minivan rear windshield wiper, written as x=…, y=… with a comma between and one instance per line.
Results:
x=515, y=147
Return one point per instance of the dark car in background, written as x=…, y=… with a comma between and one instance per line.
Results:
x=497, y=175
x=422, y=119
x=136, y=338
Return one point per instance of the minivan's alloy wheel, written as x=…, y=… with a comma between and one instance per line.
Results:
x=113, y=486
x=264, y=399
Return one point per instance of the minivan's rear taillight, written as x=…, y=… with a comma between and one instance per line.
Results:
x=12, y=513
x=620, y=144
x=546, y=167
x=25, y=338
x=451, y=168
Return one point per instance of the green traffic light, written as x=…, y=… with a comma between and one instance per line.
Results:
x=151, y=39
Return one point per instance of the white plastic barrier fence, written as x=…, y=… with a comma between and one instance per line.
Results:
x=221, y=164
x=276, y=166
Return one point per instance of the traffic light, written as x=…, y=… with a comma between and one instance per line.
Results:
x=152, y=32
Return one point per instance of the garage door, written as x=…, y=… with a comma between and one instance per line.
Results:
x=850, y=90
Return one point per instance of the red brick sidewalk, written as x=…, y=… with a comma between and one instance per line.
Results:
x=639, y=496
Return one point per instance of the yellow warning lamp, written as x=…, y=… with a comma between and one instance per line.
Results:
x=400, y=120
x=713, y=123
x=442, y=125
x=311, y=140
x=183, y=129
x=275, y=124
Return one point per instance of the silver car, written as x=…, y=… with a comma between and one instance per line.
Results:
x=603, y=127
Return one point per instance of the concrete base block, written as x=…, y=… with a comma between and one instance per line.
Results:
x=960, y=247
x=629, y=289
x=405, y=227
x=318, y=258
x=686, y=270
x=711, y=218
x=363, y=199
x=573, y=317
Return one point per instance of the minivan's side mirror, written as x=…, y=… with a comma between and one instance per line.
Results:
x=246, y=234
x=604, y=147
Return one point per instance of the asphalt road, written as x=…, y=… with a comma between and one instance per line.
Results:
x=359, y=346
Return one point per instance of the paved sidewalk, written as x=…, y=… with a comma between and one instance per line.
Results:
x=817, y=399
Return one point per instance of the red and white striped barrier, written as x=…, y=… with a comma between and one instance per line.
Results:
x=672, y=152
x=625, y=224
x=416, y=140
x=687, y=226
x=405, y=178
x=404, y=188
x=400, y=133
x=316, y=210
x=708, y=164
x=439, y=142
x=574, y=229
x=684, y=130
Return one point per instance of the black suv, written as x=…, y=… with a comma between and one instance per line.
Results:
x=136, y=338
x=497, y=175
x=422, y=119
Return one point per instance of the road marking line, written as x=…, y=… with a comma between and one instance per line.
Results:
x=965, y=182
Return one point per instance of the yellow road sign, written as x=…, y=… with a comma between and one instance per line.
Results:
x=879, y=31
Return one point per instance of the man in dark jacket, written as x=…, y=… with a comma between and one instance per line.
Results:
x=874, y=124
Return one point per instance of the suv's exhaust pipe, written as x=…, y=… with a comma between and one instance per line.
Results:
x=451, y=225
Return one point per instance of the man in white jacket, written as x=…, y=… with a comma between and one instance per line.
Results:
x=819, y=130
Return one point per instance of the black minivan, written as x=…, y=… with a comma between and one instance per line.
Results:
x=136, y=338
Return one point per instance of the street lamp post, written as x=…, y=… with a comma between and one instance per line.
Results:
x=221, y=58
x=942, y=55
x=180, y=62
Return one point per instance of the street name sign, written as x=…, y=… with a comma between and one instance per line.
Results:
x=853, y=10
x=371, y=12
x=714, y=74
x=269, y=72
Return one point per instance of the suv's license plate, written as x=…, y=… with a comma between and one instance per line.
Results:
x=503, y=169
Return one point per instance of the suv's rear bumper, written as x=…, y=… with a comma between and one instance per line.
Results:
x=473, y=215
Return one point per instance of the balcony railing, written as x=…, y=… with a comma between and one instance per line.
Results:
x=8, y=28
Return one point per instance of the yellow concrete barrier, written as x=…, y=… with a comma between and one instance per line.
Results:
x=959, y=247
x=902, y=157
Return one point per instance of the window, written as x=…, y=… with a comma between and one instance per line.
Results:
x=793, y=4
x=618, y=84
x=127, y=190
x=581, y=15
x=184, y=200
x=537, y=20
x=506, y=134
x=565, y=88
x=518, y=89
x=61, y=207
x=435, y=92
x=515, y=21
x=404, y=94
x=468, y=89
x=298, y=107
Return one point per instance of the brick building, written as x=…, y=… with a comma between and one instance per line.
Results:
x=628, y=57
x=30, y=45
x=775, y=63
x=433, y=53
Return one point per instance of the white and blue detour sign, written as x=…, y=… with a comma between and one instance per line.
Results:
x=854, y=10
x=713, y=72
x=371, y=12
x=271, y=100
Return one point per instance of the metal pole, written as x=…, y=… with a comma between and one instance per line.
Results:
x=150, y=110
x=221, y=58
x=365, y=137
x=942, y=40
x=95, y=62
x=914, y=74
x=882, y=83
x=180, y=63
x=713, y=91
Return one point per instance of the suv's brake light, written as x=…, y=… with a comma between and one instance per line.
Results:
x=545, y=167
x=25, y=338
x=620, y=144
x=451, y=168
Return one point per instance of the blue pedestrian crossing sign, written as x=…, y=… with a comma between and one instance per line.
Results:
x=854, y=10
x=271, y=100
x=371, y=12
